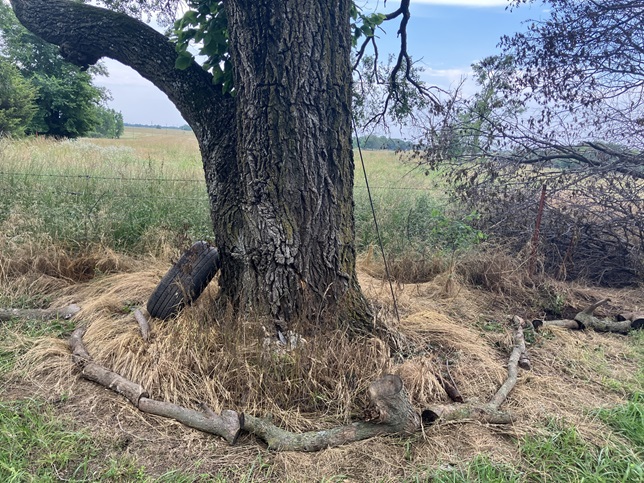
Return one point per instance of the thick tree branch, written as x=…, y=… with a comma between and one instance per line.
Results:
x=86, y=33
x=585, y=319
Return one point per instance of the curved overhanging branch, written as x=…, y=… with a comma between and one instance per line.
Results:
x=86, y=33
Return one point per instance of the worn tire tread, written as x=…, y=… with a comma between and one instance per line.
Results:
x=185, y=281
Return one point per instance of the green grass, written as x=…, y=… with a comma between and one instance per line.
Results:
x=37, y=446
x=628, y=421
x=128, y=193
x=565, y=456
x=78, y=193
x=480, y=469
x=562, y=455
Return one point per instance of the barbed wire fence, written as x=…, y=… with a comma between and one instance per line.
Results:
x=88, y=207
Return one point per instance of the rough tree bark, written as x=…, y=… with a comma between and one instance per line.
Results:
x=277, y=156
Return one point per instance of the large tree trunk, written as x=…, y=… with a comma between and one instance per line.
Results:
x=290, y=248
x=277, y=157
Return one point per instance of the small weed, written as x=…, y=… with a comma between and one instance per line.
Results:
x=565, y=456
x=490, y=325
x=481, y=469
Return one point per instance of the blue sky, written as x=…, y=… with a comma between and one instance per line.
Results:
x=446, y=35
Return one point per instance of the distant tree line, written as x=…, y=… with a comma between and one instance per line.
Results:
x=383, y=142
x=184, y=127
x=40, y=93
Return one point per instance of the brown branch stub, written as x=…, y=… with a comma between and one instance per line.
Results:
x=390, y=398
x=143, y=324
x=450, y=388
x=80, y=356
x=591, y=308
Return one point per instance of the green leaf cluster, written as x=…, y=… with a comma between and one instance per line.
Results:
x=206, y=26
x=364, y=24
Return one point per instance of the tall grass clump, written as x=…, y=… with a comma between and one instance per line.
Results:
x=76, y=193
x=418, y=225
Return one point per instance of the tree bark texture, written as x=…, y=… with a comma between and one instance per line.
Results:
x=289, y=239
x=277, y=155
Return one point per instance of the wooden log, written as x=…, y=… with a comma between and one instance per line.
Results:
x=637, y=319
x=587, y=320
x=519, y=338
x=388, y=394
x=281, y=440
x=564, y=324
x=604, y=325
x=227, y=425
x=143, y=324
x=97, y=373
x=39, y=314
x=518, y=352
x=483, y=413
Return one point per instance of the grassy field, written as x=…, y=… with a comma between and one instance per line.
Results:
x=135, y=192
x=96, y=223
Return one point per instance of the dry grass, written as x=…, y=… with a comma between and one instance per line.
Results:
x=205, y=355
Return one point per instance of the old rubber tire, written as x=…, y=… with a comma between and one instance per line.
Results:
x=185, y=281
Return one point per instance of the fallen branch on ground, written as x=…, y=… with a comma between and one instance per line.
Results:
x=490, y=412
x=39, y=314
x=388, y=394
x=585, y=319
